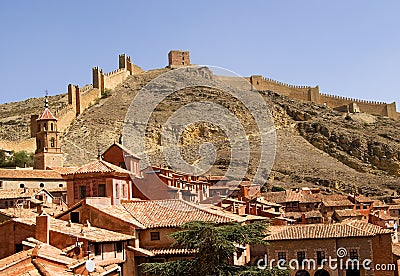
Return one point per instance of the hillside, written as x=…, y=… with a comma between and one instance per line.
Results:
x=315, y=145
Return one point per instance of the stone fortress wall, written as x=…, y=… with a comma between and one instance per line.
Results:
x=80, y=98
x=312, y=94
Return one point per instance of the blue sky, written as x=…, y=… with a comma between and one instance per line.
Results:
x=347, y=47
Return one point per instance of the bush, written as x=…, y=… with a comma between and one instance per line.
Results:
x=277, y=189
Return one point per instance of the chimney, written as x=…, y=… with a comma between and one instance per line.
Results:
x=39, y=209
x=42, y=228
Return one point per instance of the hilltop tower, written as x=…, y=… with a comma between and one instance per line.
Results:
x=178, y=58
x=48, y=151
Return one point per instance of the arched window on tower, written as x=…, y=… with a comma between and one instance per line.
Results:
x=52, y=142
x=52, y=127
x=44, y=126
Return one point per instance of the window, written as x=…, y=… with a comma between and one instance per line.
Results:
x=320, y=257
x=41, y=185
x=101, y=190
x=60, y=185
x=1, y=184
x=281, y=256
x=52, y=142
x=74, y=217
x=118, y=247
x=122, y=165
x=123, y=191
x=6, y=203
x=97, y=249
x=82, y=192
x=353, y=254
x=116, y=190
x=301, y=255
x=52, y=127
x=44, y=126
x=155, y=236
x=22, y=185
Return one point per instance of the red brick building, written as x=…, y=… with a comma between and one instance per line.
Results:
x=358, y=240
x=98, y=179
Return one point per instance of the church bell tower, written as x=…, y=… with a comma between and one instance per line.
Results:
x=48, y=151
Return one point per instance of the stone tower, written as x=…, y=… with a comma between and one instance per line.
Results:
x=178, y=58
x=48, y=151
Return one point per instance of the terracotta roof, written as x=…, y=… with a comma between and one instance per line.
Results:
x=336, y=200
x=18, y=193
x=354, y=228
x=363, y=199
x=64, y=170
x=117, y=211
x=92, y=234
x=18, y=257
x=29, y=174
x=309, y=214
x=97, y=166
x=348, y=213
x=170, y=213
x=46, y=115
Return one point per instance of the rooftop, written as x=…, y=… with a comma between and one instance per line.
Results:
x=89, y=233
x=97, y=166
x=29, y=174
x=170, y=213
x=354, y=228
x=46, y=115
x=348, y=213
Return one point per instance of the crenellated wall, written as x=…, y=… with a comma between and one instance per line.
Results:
x=312, y=94
x=80, y=98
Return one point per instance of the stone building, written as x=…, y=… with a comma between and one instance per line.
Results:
x=355, y=240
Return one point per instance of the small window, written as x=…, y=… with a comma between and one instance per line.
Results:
x=6, y=203
x=118, y=247
x=22, y=185
x=52, y=142
x=97, y=249
x=60, y=185
x=353, y=254
x=281, y=256
x=1, y=184
x=155, y=236
x=44, y=126
x=82, y=192
x=122, y=165
x=116, y=190
x=52, y=127
x=74, y=217
x=41, y=185
x=101, y=190
x=123, y=191
x=301, y=256
x=320, y=257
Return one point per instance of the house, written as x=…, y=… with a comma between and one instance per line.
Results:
x=40, y=258
x=354, y=239
x=176, y=185
x=341, y=215
x=295, y=201
x=309, y=217
x=26, y=198
x=76, y=240
x=97, y=179
x=11, y=179
x=151, y=222
x=382, y=219
x=120, y=156
x=363, y=204
x=331, y=203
